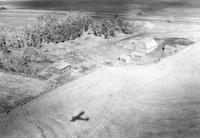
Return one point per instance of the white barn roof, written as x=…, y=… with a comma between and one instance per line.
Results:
x=148, y=44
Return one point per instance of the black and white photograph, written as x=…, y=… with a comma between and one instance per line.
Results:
x=99, y=68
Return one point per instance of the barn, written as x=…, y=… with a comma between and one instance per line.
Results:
x=145, y=45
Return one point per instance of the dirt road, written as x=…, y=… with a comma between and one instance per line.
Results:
x=158, y=101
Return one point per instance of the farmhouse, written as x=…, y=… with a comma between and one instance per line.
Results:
x=169, y=49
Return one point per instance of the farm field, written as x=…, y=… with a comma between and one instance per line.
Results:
x=120, y=94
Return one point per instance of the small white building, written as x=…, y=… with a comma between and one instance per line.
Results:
x=61, y=67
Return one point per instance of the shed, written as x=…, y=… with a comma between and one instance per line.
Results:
x=61, y=67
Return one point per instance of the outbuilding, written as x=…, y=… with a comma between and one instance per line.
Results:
x=61, y=67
